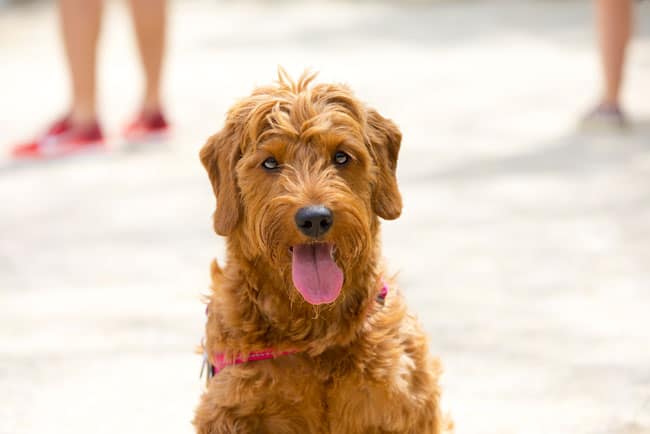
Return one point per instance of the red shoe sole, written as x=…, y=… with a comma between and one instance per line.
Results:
x=59, y=151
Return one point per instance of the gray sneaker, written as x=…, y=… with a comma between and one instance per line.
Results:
x=605, y=118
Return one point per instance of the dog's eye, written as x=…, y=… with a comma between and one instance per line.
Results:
x=341, y=158
x=270, y=164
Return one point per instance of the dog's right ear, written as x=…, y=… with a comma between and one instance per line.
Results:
x=219, y=157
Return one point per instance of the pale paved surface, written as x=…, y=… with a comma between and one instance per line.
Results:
x=524, y=247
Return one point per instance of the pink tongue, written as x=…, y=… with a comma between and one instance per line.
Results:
x=315, y=274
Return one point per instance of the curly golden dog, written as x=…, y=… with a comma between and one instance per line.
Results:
x=304, y=332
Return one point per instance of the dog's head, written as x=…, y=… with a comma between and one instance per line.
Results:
x=301, y=172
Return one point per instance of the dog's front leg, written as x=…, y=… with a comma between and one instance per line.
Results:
x=243, y=401
x=222, y=421
x=275, y=418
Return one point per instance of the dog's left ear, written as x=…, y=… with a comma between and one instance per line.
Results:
x=385, y=139
x=219, y=156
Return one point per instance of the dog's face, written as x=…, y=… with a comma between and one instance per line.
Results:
x=301, y=173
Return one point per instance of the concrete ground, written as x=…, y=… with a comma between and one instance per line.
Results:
x=524, y=245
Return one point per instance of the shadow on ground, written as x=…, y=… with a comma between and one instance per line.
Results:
x=579, y=152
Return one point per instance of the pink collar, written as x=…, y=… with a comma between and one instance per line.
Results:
x=219, y=360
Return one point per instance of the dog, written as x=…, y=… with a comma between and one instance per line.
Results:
x=305, y=333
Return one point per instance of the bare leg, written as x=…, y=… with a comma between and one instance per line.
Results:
x=150, y=19
x=614, y=23
x=80, y=25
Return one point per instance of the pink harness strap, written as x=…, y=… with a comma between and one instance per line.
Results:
x=219, y=360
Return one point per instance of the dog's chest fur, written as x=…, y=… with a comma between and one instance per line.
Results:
x=368, y=386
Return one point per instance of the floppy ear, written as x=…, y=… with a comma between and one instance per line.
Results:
x=219, y=157
x=385, y=139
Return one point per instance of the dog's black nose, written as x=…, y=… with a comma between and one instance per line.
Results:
x=314, y=220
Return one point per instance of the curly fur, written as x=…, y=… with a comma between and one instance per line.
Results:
x=361, y=367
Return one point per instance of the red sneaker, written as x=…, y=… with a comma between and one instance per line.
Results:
x=147, y=127
x=61, y=139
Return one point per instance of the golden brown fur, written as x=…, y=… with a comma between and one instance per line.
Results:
x=363, y=367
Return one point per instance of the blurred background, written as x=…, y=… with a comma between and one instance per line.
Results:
x=524, y=246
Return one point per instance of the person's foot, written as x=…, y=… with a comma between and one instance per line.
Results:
x=605, y=117
x=147, y=127
x=62, y=139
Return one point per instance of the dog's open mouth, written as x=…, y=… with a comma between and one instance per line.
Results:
x=315, y=273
